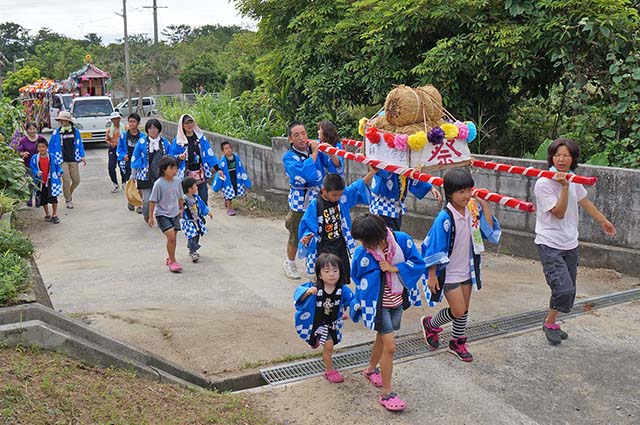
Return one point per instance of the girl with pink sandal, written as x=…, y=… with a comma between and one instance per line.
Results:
x=319, y=309
x=386, y=269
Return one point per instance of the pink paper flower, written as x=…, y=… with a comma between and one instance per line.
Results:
x=400, y=141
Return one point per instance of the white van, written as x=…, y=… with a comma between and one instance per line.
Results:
x=148, y=109
x=91, y=116
x=59, y=102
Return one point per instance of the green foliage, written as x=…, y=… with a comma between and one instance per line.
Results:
x=14, y=178
x=20, y=78
x=7, y=204
x=240, y=80
x=14, y=277
x=203, y=69
x=16, y=242
x=10, y=119
x=246, y=117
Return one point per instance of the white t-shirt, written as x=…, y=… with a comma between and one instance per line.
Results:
x=558, y=233
x=459, y=268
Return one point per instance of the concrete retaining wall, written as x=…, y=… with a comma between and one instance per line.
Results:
x=617, y=195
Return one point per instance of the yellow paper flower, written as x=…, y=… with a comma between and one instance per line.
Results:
x=417, y=140
x=361, y=124
x=450, y=131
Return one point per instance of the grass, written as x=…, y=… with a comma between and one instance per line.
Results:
x=40, y=387
x=255, y=206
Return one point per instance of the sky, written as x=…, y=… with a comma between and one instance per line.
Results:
x=75, y=18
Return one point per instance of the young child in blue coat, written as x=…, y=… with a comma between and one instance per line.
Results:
x=386, y=270
x=451, y=252
x=326, y=224
x=47, y=175
x=193, y=217
x=319, y=309
x=235, y=181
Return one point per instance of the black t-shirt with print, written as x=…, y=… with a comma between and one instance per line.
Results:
x=193, y=153
x=68, y=146
x=331, y=238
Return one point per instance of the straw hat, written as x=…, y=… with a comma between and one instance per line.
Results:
x=64, y=116
x=115, y=115
x=133, y=196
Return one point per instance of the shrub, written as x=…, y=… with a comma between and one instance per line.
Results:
x=16, y=242
x=14, y=277
x=15, y=180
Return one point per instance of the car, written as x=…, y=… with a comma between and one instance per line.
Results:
x=91, y=117
x=149, y=107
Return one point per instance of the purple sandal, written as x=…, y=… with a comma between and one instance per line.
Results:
x=392, y=402
x=374, y=377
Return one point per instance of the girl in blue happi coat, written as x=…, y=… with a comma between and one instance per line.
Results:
x=451, y=252
x=319, y=309
x=327, y=133
x=326, y=224
x=145, y=161
x=388, y=193
x=195, y=155
x=386, y=270
x=47, y=176
x=235, y=181
x=193, y=217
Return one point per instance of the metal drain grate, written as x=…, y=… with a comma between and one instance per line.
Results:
x=412, y=345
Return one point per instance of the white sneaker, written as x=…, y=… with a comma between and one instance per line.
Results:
x=291, y=271
x=69, y=205
x=115, y=189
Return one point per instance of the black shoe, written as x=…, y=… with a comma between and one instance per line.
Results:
x=563, y=334
x=552, y=332
x=458, y=347
x=130, y=207
x=430, y=333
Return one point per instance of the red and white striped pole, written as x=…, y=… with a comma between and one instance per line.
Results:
x=417, y=175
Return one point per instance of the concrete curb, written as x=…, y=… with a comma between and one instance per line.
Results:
x=37, y=325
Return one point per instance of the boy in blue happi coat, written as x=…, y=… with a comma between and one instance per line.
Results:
x=386, y=270
x=126, y=145
x=235, y=182
x=451, y=252
x=47, y=176
x=326, y=224
x=193, y=217
x=388, y=193
x=319, y=309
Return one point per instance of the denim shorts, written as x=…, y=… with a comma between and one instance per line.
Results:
x=166, y=223
x=391, y=318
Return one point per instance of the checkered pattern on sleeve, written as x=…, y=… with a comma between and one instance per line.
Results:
x=304, y=331
x=300, y=198
x=78, y=156
x=382, y=206
x=56, y=189
x=142, y=173
x=228, y=192
x=369, y=313
x=189, y=228
x=57, y=156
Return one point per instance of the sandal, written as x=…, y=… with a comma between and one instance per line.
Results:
x=47, y=218
x=374, y=377
x=175, y=268
x=333, y=376
x=392, y=402
x=55, y=219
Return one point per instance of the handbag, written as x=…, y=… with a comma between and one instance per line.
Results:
x=198, y=175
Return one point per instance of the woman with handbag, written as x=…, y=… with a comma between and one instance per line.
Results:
x=195, y=154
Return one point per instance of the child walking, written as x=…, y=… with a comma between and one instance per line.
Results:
x=386, y=270
x=234, y=182
x=166, y=205
x=451, y=252
x=319, y=309
x=47, y=178
x=193, y=222
x=326, y=224
x=557, y=203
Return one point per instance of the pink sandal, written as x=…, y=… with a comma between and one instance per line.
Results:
x=374, y=377
x=333, y=376
x=392, y=402
x=175, y=268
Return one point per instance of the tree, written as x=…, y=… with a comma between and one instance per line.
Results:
x=203, y=70
x=177, y=33
x=14, y=41
x=93, y=39
x=14, y=80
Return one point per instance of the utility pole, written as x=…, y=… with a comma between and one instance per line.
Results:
x=126, y=54
x=155, y=8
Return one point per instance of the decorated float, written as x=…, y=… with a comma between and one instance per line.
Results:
x=414, y=135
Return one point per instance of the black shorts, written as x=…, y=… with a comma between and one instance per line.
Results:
x=44, y=197
x=165, y=223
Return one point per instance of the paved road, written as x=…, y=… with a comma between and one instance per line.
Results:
x=233, y=310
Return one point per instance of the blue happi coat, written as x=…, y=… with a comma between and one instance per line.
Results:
x=305, y=178
x=385, y=193
x=306, y=309
x=55, y=146
x=122, y=150
x=194, y=226
x=327, y=164
x=208, y=160
x=311, y=222
x=140, y=156
x=55, y=174
x=242, y=179
x=435, y=249
x=366, y=273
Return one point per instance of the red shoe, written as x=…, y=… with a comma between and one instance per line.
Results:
x=430, y=333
